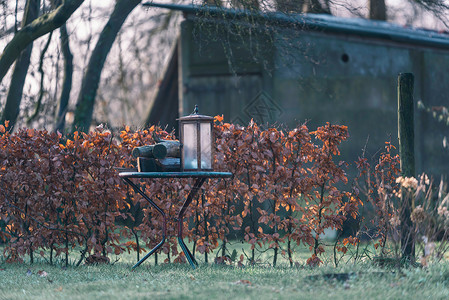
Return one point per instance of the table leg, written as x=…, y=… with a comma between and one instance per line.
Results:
x=198, y=183
x=164, y=224
x=150, y=253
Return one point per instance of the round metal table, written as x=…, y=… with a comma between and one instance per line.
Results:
x=200, y=177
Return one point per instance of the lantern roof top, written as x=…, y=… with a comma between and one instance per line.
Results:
x=194, y=116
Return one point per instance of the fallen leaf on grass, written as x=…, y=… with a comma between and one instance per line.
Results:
x=59, y=289
x=394, y=284
x=42, y=273
x=423, y=261
x=193, y=278
x=243, y=281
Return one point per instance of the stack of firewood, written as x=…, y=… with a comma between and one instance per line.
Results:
x=165, y=156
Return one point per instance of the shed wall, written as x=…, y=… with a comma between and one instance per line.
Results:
x=290, y=76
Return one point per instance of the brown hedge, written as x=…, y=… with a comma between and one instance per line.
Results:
x=59, y=193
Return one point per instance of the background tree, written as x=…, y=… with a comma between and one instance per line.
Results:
x=91, y=80
x=19, y=74
x=67, y=81
x=303, y=6
x=377, y=10
x=114, y=84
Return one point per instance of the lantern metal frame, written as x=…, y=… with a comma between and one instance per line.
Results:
x=196, y=119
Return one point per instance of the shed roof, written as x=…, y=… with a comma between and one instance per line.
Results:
x=323, y=23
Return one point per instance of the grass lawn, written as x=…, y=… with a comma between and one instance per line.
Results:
x=175, y=281
x=179, y=281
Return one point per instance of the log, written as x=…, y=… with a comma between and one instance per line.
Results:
x=169, y=164
x=120, y=170
x=145, y=164
x=159, y=150
x=150, y=151
x=173, y=148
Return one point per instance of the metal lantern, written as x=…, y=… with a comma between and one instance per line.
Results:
x=196, y=136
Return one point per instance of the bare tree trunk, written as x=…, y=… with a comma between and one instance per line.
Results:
x=377, y=10
x=12, y=106
x=41, y=89
x=290, y=6
x=315, y=7
x=39, y=27
x=86, y=99
x=67, y=81
x=246, y=4
x=213, y=2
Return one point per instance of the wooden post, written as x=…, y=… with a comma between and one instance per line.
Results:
x=407, y=154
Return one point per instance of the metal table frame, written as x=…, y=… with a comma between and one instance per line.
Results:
x=200, y=179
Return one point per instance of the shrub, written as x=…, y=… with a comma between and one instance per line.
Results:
x=60, y=193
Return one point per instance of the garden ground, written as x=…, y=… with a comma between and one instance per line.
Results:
x=179, y=281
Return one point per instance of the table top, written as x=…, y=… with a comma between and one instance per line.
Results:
x=175, y=174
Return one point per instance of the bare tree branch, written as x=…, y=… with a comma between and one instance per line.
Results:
x=39, y=27
x=440, y=8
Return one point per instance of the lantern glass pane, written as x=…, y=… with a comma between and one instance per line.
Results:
x=190, y=146
x=206, y=146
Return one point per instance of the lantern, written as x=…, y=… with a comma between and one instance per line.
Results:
x=196, y=136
